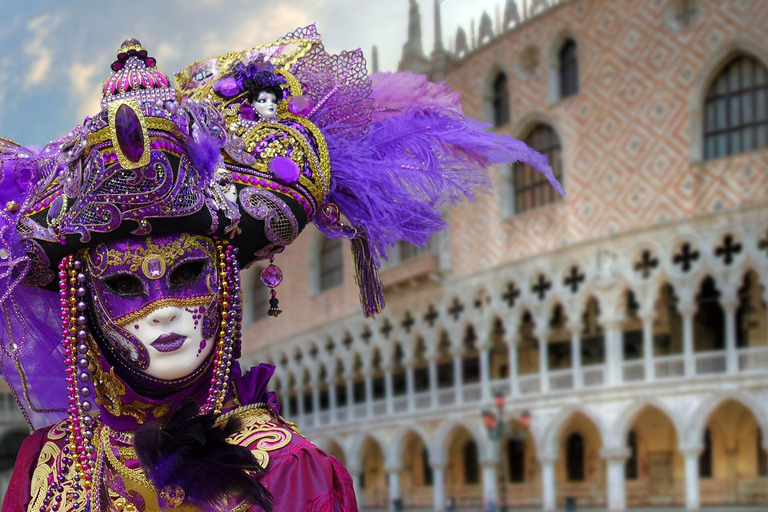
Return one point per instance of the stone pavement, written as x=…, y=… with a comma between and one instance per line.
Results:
x=734, y=508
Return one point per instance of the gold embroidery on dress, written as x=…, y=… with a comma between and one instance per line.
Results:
x=109, y=389
x=260, y=433
x=48, y=465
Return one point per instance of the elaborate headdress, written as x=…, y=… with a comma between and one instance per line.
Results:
x=370, y=159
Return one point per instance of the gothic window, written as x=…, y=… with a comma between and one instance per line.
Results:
x=709, y=320
x=259, y=298
x=331, y=264
x=575, y=457
x=500, y=100
x=630, y=470
x=471, y=466
x=569, y=69
x=532, y=190
x=516, y=460
x=736, y=109
x=9, y=448
x=705, y=459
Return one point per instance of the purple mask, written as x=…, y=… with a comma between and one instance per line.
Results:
x=155, y=301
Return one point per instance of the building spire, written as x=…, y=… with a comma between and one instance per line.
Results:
x=414, y=29
x=438, y=27
x=375, y=60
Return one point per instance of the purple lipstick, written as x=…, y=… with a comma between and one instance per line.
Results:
x=168, y=342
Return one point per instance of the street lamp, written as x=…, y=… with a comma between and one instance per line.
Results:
x=494, y=423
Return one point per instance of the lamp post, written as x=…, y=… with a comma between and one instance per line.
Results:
x=494, y=423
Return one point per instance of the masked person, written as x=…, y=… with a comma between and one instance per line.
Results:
x=120, y=253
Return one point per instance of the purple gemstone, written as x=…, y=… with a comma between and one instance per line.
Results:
x=247, y=112
x=56, y=208
x=272, y=276
x=284, y=170
x=154, y=267
x=226, y=87
x=129, y=135
x=301, y=105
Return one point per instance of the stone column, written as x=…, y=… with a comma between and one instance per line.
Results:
x=691, y=455
x=616, y=486
x=458, y=376
x=350, y=398
x=485, y=372
x=300, y=405
x=689, y=363
x=389, y=393
x=285, y=405
x=315, y=404
x=410, y=385
x=433, y=381
x=332, y=399
x=731, y=355
x=438, y=487
x=543, y=336
x=490, y=484
x=394, y=486
x=514, y=382
x=368, y=394
x=548, y=489
x=648, y=346
x=614, y=352
x=578, y=375
x=355, y=474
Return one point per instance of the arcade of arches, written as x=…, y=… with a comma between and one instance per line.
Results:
x=730, y=463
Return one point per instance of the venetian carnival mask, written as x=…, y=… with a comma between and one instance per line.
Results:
x=154, y=300
x=266, y=105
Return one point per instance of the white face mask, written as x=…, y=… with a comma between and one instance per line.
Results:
x=162, y=315
x=266, y=105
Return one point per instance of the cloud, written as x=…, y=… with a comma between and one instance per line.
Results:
x=256, y=28
x=85, y=88
x=38, y=49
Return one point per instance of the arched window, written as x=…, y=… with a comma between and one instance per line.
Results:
x=630, y=470
x=709, y=320
x=705, y=459
x=259, y=298
x=471, y=466
x=500, y=100
x=9, y=449
x=516, y=459
x=532, y=190
x=569, y=69
x=331, y=264
x=736, y=109
x=575, y=457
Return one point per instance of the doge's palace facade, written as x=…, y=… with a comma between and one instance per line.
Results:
x=628, y=319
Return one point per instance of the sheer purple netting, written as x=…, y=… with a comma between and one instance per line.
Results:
x=31, y=353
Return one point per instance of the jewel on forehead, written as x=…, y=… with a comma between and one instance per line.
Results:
x=153, y=267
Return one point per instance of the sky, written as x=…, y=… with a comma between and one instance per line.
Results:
x=55, y=54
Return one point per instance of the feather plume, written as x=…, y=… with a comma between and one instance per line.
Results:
x=188, y=450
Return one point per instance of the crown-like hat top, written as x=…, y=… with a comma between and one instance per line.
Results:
x=134, y=75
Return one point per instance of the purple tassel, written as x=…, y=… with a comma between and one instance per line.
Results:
x=367, y=276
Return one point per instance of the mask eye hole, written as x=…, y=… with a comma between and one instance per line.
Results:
x=187, y=273
x=124, y=285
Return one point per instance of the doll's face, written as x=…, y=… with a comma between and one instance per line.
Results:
x=266, y=105
x=155, y=300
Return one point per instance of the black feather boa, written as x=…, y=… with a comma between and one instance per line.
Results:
x=188, y=451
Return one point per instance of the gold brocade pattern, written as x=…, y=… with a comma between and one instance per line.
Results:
x=260, y=432
x=109, y=388
x=48, y=465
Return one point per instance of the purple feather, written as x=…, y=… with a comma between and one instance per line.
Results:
x=394, y=181
x=188, y=450
x=205, y=152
